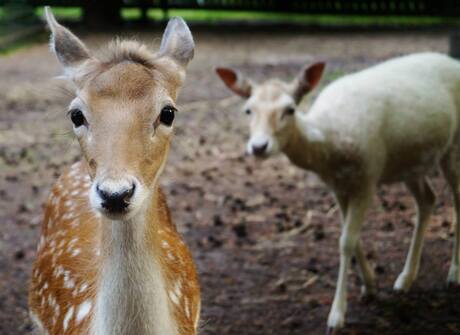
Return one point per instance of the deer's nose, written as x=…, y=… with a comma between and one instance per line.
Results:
x=259, y=149
x=115, y=201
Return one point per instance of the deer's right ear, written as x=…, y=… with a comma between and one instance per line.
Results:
x=68, y=48
x=235, y=81
x=307, y=80
x=177, y=42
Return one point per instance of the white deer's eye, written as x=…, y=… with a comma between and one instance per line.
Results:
x=289, y=111
x=248, y=111
x=77, y=117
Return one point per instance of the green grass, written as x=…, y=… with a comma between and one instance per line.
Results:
x=66, y=13
x=216, y=16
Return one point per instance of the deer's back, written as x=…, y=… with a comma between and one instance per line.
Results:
x=398, y=115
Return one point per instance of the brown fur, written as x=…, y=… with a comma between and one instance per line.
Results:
x=121, y=94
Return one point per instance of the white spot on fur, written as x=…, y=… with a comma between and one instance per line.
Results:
x=173, y=297
x=177, y=289
x=67, y=318
x=76, y=252
x=187, y=308
x=83, y=310
x=83, y=288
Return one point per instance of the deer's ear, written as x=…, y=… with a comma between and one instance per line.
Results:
x=235, y=81
x=177, y=42
x=307, y=80
x=68, y=48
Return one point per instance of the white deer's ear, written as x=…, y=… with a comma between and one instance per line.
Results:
x=307, y=80
x=235, y=81
x=68, y=48
x=177, y=42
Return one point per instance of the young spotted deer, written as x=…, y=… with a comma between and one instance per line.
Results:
x=396, y=121
x=110, y=260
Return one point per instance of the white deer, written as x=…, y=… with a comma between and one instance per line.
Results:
x=393, y=122
x=110, y=260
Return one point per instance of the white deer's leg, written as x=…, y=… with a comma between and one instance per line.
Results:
x=366, y=272
x=450, y=168
x=454, y=277
x=425, y=199
x=356, y=211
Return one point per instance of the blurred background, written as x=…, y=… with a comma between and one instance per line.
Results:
x=264, y=233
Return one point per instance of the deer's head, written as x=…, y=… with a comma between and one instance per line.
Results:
x=123, y=111
x=271, y=106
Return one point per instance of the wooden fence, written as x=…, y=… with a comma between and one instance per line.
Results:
x=449, y=8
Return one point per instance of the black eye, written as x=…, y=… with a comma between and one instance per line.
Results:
x=289, y=111
x=167, y=115
x=77, y=117
x=248, y=111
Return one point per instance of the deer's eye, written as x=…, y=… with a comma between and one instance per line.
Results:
x=77, y=117
x=167, y=115
x=289, y=111
x=248, y=111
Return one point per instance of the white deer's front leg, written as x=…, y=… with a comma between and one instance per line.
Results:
x=357, y=207
x=366, y=272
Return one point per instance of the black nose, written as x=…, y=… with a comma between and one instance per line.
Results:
x=115, y=202
x=260, y=150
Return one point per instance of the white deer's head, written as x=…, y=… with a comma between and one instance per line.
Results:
x=271, y=106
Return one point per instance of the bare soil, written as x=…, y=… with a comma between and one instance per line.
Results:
x=263, y=233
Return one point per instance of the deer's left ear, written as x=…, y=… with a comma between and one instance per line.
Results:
x=307, y=80
x=177, y=42
x=68, y=48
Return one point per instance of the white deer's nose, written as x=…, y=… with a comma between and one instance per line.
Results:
x=259, y=145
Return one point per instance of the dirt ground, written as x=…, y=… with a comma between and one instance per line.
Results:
x=263, y=233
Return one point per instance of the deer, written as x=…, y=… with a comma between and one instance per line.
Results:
x=393, y=122
x=110, y=259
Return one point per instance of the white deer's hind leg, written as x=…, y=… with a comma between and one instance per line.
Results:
x=450, y=166
x=356, y=211
x=366, y=272
x=454, y=277
x=425, y=199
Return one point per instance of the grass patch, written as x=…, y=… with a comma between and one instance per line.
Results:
x=216, y=16
x=65, y=13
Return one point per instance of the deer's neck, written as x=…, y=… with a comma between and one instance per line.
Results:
x=307, y=146
x=132, y=296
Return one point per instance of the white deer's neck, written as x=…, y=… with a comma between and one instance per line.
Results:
x=132, y=296
x=307, y=146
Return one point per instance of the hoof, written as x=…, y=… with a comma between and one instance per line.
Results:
x=331, y=331
x=453, y=277
x=368, y=293
x=335, y=321
x=367, y=298
x=453, y=285
x=403, y=283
